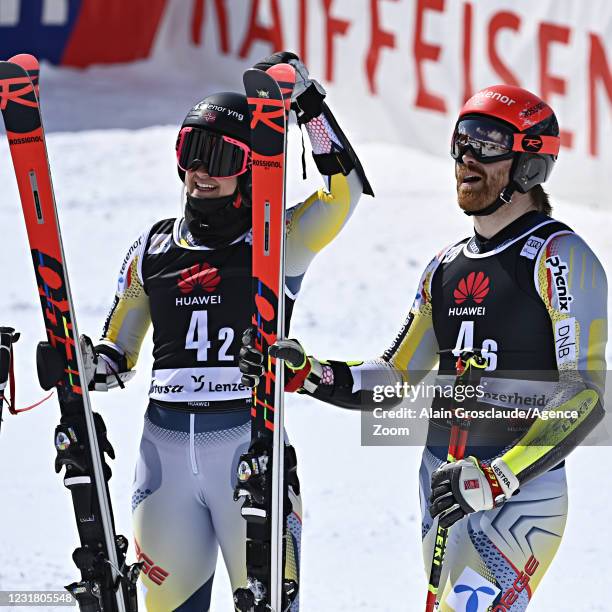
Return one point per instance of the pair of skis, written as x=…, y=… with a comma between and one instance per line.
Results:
x=107, y=583
x=263, y=470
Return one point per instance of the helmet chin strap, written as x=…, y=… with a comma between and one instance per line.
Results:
x=505, y=197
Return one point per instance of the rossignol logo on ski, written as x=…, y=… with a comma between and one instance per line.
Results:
x=558, y=269
x=267, y=163
x=16, y=95
x=275, y=110
x=28, y=139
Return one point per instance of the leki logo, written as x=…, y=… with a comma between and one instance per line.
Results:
x=202, y=275
x=6, y=95
x=474, y=285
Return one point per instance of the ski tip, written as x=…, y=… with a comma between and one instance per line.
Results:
x=282, y=73
x=26, y=61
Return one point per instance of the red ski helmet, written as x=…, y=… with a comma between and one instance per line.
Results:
x=525, y=128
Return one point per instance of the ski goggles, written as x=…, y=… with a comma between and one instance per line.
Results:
x=222, y=156
x=491, y=141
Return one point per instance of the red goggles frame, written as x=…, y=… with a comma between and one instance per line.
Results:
x=222, y=156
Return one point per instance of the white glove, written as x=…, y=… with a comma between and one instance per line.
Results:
x=101, y=372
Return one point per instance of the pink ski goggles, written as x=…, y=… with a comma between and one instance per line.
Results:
x=222, y=156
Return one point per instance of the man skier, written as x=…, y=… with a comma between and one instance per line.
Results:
x=530, y=296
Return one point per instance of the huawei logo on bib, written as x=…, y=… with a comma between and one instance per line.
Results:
x=199, y=275
x=474, y=285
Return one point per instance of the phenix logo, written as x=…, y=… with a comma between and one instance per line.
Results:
x=474, y=285
x=559, y=270
x=203, y=275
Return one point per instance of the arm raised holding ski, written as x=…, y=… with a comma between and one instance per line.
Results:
x=315, y=222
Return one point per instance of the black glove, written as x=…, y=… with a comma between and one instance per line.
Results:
x=250, y=360
x=297, y=364
x=308, y=94
x=280, y=57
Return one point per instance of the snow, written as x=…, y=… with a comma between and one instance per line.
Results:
x=361, y=536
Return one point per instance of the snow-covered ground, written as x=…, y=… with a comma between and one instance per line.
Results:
x=361, y=534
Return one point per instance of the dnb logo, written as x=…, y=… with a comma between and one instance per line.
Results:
x=472, y=593
x=203, y=275
x=475, y=285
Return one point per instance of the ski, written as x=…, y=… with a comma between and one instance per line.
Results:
x=262, y=471
x=107, y=583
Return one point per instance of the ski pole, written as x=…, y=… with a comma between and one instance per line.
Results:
x=469, y=368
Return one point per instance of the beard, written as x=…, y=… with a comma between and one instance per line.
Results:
x=473, y=197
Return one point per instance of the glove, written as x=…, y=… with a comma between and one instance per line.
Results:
x=280, y=57
x=298, y=366
x=467, y=486
x=101, y=371
x=308, y=94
